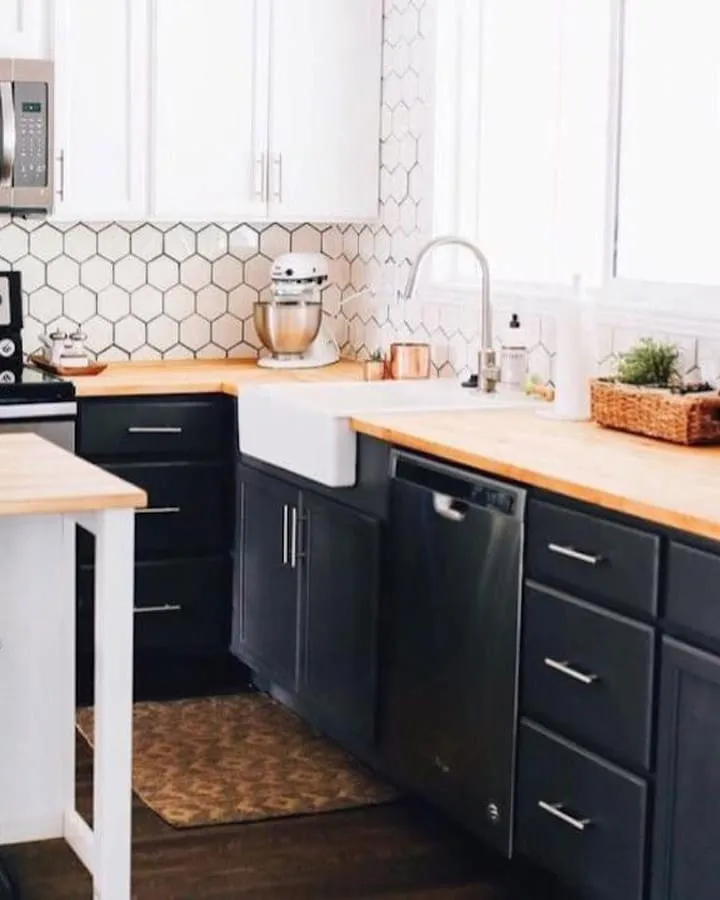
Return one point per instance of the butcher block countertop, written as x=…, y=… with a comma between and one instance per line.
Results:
x=36, y=477
x=199, y=376
x=668, y=484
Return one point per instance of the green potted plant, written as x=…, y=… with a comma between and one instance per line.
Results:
x=648, y=396
x=650, y=363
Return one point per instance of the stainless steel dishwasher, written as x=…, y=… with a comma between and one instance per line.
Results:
x=449, y=645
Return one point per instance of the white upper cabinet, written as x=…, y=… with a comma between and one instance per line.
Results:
x=324, y=139
x=217, y=110
x=209, y=110
x=101, y=57
x=24, y=28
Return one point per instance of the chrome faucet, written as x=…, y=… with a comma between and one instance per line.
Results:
x=488, y=373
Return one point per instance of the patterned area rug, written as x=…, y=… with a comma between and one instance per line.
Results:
x=217, y=760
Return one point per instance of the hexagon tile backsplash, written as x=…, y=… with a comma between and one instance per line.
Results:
x=145, y=291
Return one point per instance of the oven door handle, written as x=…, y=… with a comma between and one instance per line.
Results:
x=37, y=412
x=7, y=134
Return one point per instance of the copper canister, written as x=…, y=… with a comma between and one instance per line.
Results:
x=409, y=360
x=374, y=369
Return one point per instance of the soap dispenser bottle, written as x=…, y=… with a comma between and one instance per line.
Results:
x=514, y=356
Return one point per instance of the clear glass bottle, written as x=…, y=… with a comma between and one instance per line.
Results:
x=514, y=356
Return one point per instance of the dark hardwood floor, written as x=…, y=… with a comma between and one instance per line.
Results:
x=398, y=851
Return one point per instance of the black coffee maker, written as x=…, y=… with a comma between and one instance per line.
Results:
x=11, y=322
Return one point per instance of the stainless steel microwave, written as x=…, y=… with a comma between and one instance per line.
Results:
x=26, y=135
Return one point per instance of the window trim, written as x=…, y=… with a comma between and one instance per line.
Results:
x=676, y=306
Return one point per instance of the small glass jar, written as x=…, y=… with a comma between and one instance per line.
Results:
x=77, y=343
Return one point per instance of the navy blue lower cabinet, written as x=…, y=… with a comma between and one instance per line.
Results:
x=581, y=817
x=180, y=449
x=306, y=587
x=338, y=671
x=266, y=588
x=686, y=854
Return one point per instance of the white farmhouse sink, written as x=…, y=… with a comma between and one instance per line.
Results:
x=305, y=428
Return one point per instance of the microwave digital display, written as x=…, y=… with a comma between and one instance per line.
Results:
x=32, y=107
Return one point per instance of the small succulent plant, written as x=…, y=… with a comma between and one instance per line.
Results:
x=376, y=356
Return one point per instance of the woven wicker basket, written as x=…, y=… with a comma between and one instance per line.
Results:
x=656, y=412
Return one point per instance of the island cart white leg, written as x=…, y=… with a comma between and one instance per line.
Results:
x=112, y=773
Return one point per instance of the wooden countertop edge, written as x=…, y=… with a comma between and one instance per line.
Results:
x=213, y=376
x=159, y=389
x=136, y=499
x=595, y=496
x=228, y=388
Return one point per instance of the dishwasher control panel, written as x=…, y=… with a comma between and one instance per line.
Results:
x=458, y=485
x=493, y=498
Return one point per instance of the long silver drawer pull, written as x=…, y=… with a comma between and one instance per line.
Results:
x=557, y=810
x=169, y=607
x=286, y=517
x=572, y=553
x=156, y=429
x=293, y=538
x=158, y=510
x=565, y=668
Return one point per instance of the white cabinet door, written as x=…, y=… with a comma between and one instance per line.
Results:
x=326, y=69
x=24, y=28
x=209, y=109
x=101, y=109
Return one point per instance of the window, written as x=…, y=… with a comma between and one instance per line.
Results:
x=669, y=184
x=575, y=137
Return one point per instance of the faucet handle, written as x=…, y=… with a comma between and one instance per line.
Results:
x=488, y=371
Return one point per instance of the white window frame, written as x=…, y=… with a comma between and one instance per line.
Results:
x=684, y=308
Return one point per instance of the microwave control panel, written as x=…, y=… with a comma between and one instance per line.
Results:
x=31, y=124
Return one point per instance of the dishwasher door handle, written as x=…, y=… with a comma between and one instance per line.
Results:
x=449, y=508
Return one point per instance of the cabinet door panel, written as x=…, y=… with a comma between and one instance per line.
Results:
x=340, y=617
x=325, y=110
x=209, y=110
x=612, y=708
x=101, y=108
x=188, y=511
x=265, y=607
x=24, y=31
x=180, y=604
x=143, y=427
x=686, y=863
x=580, y=817
x=592, y=557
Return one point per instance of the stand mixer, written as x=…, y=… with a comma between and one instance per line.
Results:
x=290, y=322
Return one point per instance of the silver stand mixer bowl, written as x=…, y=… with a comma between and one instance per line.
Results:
x=287, y=328
x=289, y=320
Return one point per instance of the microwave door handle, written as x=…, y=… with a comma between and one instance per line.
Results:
x=7, y=136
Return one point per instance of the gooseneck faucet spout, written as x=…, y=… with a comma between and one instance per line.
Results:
x=488, y=375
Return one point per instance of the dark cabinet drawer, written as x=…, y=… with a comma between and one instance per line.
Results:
x=181, y=605
x=585, y=553
x=158, y=426
x=693, y=590
x=188, y=509
x=588, y=673
x=580, y=817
